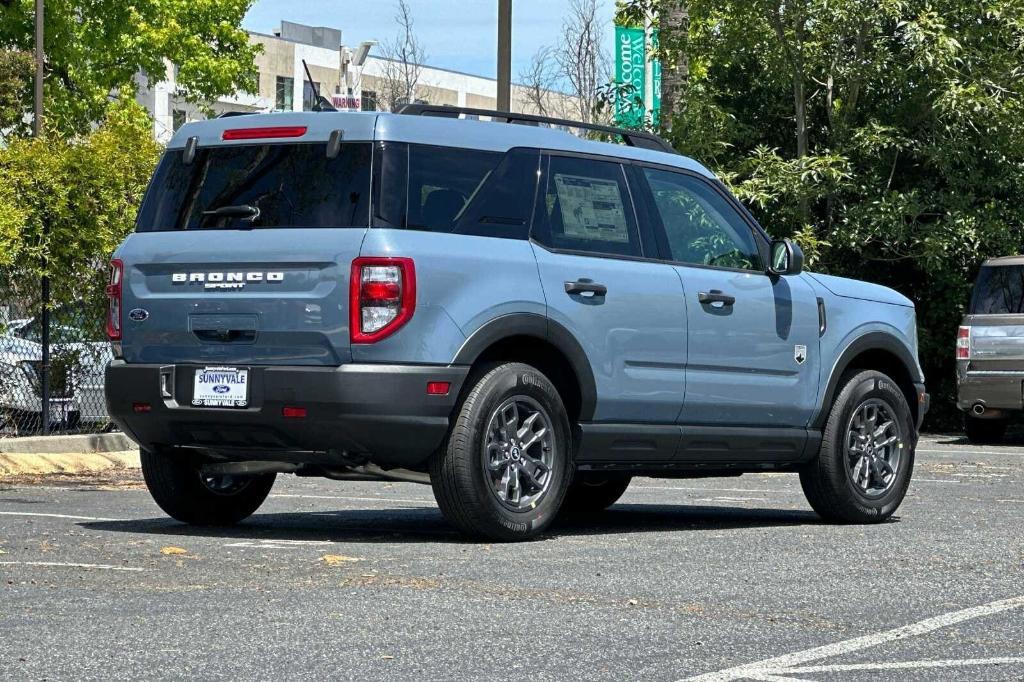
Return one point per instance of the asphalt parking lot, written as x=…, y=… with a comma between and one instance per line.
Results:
x=718, y=579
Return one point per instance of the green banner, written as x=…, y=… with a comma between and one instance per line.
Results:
x=630, y=65
x=633, y=104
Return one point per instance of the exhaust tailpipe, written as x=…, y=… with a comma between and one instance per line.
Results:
x=978, y=409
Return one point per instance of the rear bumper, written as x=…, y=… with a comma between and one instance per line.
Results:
x=382, y=412
x=994, y=390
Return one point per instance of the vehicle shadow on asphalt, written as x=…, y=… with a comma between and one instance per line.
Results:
x=427, y=524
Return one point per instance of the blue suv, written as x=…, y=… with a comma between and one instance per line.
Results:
x=521, y=317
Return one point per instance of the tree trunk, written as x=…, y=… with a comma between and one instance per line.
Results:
x=674, y=23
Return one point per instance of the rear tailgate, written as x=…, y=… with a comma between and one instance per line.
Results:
x=267, y=297
x=244, y=242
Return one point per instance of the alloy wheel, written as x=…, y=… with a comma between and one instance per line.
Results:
x=519, y=453
x=874, y=447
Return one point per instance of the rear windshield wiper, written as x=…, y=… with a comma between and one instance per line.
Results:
x=246, y=212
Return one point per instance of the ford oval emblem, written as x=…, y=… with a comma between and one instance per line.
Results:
x=138, y=315
x=221, y=388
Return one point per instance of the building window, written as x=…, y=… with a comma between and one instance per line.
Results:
x=309, y=91
x=369, y=101
x=285, y=93
x=178, y=119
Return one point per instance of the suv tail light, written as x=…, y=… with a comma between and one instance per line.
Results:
x=963, y=343
x=114, y=300
x=382, y=297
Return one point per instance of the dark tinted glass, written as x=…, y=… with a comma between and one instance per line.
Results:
x=292, y=185
x=585, y=206
x=999, y=291
x=700, y=225
x=446, y=189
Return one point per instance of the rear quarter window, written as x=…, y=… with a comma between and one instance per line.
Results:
x=455, y=190
x=999, y=290
x=292, y=185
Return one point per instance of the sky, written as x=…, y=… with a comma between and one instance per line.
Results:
x=457, y=35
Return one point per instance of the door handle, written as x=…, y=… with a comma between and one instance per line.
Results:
x=586, y=286
x=715, y=296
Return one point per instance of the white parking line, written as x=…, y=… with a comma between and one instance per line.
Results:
x=58, y=516
x=782, y=665
x=57, y=564
x=708, y=490
x=968, y=451
x=905, y=665
x=278, y=544
x=357, y=499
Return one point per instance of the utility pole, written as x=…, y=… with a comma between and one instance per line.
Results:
x=37, y=130
x=504, y=55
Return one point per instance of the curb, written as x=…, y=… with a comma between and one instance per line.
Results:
x=77, y=444
x=21, y=464
x=78, y=454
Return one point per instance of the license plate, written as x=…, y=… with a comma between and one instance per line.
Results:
x=221, y=387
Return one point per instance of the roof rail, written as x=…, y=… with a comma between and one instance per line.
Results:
x=632, y=138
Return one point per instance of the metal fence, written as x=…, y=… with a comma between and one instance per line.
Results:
x=77, y=353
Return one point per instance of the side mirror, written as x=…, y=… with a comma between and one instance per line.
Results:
x=786, y=258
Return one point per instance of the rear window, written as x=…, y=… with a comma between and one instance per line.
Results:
x=999, y=291
x=260, y=186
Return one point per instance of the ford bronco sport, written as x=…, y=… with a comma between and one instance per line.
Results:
x=521, y=317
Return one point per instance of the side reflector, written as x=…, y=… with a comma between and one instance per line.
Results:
x=293, y=412
x=141, y=408
x=263, y=133
x=438, y=387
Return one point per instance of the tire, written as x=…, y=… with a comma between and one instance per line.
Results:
x=844, y=487
x=472, y=474
x=591, y=493
x=178, y=488
x=984, y=431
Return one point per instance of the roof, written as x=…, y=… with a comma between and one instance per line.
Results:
x=1004, y=260
x=433, y=130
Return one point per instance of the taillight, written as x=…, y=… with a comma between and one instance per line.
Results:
x=963, y=343
x=114, y=300
x=382, y=297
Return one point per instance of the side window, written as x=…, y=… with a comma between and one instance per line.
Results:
x=585, y=206
x=700, y=226
x=447, y=189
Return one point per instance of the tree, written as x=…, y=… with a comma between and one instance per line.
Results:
x=72, y=201
x=886, y=135
x=582, y=60
x=538, y=79
x=675, y=67
x=16, y=70
x=95, y=48
x=579, y=63
x=404, y=57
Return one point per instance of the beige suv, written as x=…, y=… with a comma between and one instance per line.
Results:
x=990, y=351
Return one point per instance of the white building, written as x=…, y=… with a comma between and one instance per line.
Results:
x=336, y=73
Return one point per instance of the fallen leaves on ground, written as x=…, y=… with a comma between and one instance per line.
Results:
x=338, y=559
x=173, y=550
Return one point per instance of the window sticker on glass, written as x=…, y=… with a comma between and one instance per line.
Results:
x=591, y=208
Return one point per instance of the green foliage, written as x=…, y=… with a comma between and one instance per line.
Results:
x=71, y=201
x=94, y=48
x=886, y=136
x=15, y=88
